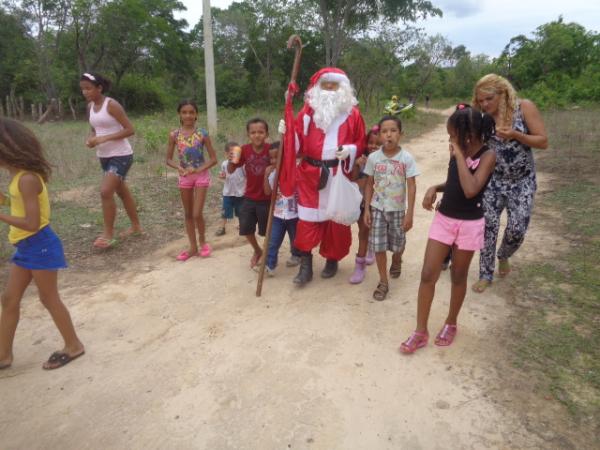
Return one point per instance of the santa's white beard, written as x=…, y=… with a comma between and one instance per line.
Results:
x=329, y=105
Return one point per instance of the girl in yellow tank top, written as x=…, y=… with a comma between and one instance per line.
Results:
x=39, y=253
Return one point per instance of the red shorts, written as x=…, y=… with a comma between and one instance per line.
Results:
x=466, y=234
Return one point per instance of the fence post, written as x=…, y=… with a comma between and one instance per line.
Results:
x=21, y=108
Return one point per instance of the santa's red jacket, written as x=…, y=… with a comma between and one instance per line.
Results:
x=312, y=142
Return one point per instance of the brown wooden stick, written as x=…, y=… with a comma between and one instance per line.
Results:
x=293, y=41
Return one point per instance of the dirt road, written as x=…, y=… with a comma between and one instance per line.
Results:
x=183, y=355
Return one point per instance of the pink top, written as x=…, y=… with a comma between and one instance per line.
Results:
x=105, y=124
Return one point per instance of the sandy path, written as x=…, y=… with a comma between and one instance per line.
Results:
x=185, y=356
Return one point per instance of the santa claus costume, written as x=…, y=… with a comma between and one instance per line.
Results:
x=328, y=128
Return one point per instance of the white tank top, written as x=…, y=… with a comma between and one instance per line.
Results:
x=105, y=124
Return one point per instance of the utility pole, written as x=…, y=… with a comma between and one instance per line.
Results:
x=209, y=69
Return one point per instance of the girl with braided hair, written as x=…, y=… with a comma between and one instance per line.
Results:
x=458, y=224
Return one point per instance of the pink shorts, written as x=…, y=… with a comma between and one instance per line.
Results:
x=466, y=234
x=201, y=179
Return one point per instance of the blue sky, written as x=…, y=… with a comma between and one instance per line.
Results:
x=483, y=26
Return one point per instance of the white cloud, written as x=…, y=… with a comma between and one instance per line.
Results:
x=483, y=26
x=463, y=8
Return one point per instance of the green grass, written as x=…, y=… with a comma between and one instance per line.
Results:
x=557, y=340
x=74, y=187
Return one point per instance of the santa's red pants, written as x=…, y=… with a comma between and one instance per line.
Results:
x=335, y=239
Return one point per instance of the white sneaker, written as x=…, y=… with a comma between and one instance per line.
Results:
x=270, y=272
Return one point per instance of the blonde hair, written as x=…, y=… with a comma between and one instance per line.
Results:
x=495, y=84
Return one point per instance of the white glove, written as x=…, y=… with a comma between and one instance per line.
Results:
x=281, y=128
x=343, y=152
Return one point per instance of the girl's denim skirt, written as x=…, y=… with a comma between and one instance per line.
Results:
x=41, y=251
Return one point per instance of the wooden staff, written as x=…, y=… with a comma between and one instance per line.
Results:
x=293, y=42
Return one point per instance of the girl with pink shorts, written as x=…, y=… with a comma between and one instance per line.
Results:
x=458, y=224
x=194, y=175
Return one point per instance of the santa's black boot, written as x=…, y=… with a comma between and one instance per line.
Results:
x=331, y=267
x=305, y=273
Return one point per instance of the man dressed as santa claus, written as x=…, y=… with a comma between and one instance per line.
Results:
x=328, y=128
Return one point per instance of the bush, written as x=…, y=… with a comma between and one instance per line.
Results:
x=139, y=94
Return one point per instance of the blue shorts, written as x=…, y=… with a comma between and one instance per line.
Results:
x=42, y=251
x=117, y=165
x=231, y=204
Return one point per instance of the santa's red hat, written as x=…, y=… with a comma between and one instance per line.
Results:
x=332, y=74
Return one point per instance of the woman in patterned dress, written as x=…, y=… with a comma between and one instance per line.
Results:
x=519, y=128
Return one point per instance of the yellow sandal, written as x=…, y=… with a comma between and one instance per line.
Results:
x=481, y=285
x=503, y=267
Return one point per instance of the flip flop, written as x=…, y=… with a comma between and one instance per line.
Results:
x=481, y=285
x=60, y=359
x=503, y=267
x=130, y=233
x=104, y=243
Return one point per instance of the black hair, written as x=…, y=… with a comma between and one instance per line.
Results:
x=97, y=80
x=257, y=120
x=470, y=122
x=231, y=144
x=393, y=119
x=185, y=102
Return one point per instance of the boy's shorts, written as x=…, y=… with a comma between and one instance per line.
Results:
x=252, y=213
x=231, y=205
x=117, y=165
x=386, y=231
x=466, y=234
x=193, y=180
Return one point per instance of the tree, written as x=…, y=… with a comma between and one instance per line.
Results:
x=429, y=55
x=18, y=70
x=373, y=75
x=340, y=20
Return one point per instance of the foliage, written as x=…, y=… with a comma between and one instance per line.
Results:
x=153, y=58
x=558, y=66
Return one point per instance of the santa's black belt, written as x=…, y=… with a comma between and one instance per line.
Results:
x=324, y=165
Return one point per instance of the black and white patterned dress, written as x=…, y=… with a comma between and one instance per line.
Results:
x=513, y=187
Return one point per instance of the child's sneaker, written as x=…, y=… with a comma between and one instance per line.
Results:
x=220, y=231
x=205, y=251
x=270, y=272
x=293, y=261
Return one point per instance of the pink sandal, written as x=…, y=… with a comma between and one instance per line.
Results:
x=205, y=251
x=417, y=340
x=446, y=335
x=183, y=256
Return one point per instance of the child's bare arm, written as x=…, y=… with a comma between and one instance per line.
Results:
x=30, y=187
x=368, y=197
x=170, y=152
x=411, y=185
x=212, y=156
x=473, y=183
x=266, y=183
x=431, y=195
